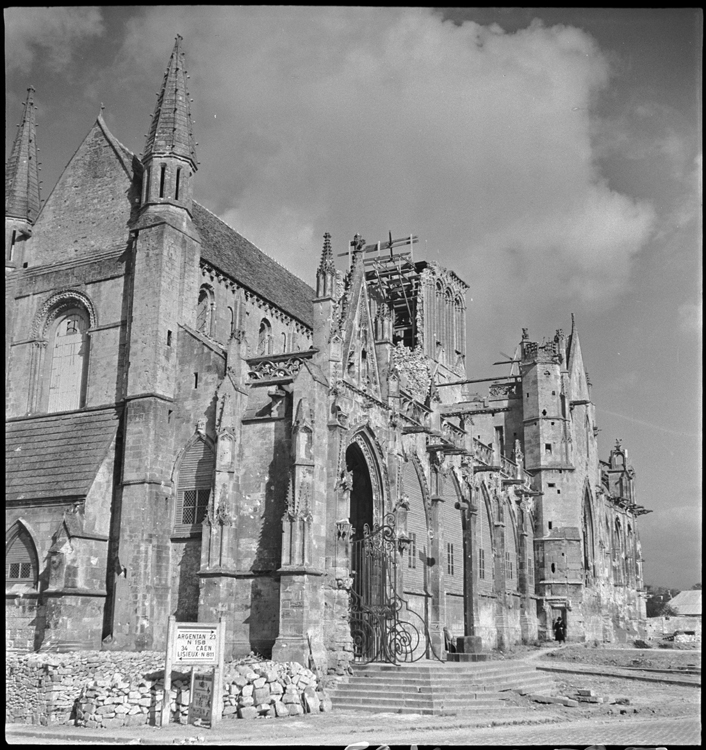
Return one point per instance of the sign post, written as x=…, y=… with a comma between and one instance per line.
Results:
x=196, y=644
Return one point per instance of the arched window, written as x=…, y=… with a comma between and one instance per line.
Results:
x=449, y=342
x=21, y=563
x=460, y=328
x=439, y=321
x=204, y=311
x=284, y=343
x=193, y=489
x=587, y=537
x=231, y=322
x=510, y=552
x=68, y=360
x=617, y=548
x=486, y=564
x=264, y=338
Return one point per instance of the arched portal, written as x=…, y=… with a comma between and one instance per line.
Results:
x=361, y=494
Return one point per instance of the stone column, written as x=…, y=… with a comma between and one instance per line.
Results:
x=437, y=614
x=470, y=643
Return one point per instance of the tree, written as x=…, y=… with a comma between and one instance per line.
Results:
x=696, y=587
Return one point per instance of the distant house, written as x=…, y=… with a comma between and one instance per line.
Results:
x=687, y=603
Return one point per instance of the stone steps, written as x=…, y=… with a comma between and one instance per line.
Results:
x=469, y=684
x=435, y=688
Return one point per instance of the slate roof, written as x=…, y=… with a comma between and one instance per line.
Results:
x=171, y=132
x=231, y=253
x=57, y=455
x=687, y=603
x=21, y=169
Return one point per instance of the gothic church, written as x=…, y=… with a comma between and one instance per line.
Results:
x=194, y=431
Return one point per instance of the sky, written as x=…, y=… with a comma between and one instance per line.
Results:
x=551, y=157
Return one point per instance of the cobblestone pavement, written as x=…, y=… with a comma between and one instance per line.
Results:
x=665, y=732
x=684, y=730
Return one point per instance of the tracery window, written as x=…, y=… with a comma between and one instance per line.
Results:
x=193, y=488
x=21, y=564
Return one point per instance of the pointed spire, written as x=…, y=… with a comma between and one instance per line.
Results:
x=171, y=132
x=22, y=168
x=327, y=265
x=326, y=271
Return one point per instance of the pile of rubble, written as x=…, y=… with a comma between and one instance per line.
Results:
x=43, y=688
x=250, y=690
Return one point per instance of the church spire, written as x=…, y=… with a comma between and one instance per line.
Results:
x=170, y=153
x=22, y=169
x=171, y=133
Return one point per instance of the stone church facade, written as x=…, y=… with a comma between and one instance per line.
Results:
x=194, y=431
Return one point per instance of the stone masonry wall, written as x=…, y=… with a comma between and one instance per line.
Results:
x=110, y=689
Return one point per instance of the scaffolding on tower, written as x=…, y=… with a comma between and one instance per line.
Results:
x=391, y=271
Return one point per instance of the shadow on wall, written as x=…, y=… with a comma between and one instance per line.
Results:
x=187, y=604
x=264, y=593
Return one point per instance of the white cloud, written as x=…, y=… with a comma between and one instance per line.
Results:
x=369, y=119
x=691, y=317
x=47, y=33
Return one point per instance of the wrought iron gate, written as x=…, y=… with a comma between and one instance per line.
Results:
x=383, y=626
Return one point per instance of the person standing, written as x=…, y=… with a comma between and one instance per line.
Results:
x=560, y=629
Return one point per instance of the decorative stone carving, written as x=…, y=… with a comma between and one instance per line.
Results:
x=502, y=390
x=413, y=370
x=402, y=502
x=60, y=301
x=271, y=369
x=220, y=515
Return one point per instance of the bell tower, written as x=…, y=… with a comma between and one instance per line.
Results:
x=166, y=250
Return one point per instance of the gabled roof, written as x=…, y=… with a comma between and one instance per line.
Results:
x=22, y=168
x=687, y=603
x=231, y=253
x=171, y=131
x=57, y=455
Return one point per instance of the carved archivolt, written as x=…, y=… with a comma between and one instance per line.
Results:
x=56, y=304
x=362, y=436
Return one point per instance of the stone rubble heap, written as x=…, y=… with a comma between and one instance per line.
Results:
x=43, y=688
x=112, y=689
x=249, y=691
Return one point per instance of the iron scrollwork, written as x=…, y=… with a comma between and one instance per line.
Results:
x=383, y=626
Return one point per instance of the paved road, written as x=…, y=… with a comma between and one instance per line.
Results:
x=635, y=731
x=666, y=732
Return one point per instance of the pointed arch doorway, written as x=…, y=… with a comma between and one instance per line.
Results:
x=361, y=496
x=377, y=610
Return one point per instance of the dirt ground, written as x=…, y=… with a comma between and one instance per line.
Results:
x=653, y=658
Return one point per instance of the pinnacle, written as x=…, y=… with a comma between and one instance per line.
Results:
x=171, y=132
x=22, y=168
x=327, y=264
